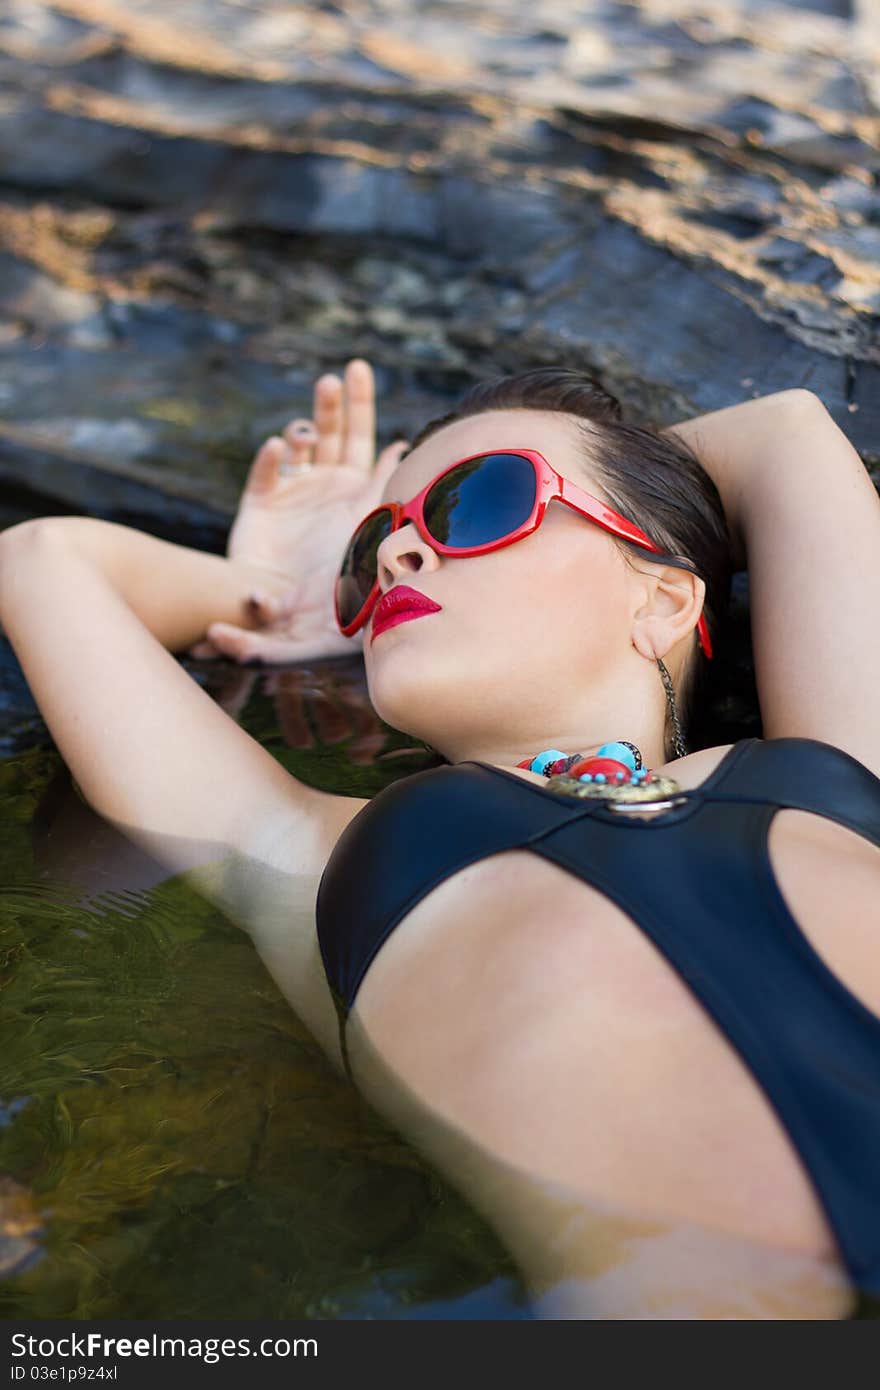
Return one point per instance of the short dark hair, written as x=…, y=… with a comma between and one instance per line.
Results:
x=653, y=479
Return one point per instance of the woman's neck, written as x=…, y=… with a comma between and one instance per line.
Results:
x=516, y=726
x=503, y=752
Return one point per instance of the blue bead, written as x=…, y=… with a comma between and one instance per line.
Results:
x=549, y=755
x=600, y=777
x=619, y=752
x=586, y=777
x=619, y=777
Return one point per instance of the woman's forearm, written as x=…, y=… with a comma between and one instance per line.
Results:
x=176, y=592
x=744, y=448
x=808, y=518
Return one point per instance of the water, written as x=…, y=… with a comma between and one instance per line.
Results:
x=176, y=1143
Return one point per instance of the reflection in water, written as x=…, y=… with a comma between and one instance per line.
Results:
x=19, y=1225
x=169, y=1123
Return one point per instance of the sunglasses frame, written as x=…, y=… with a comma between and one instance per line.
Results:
x=550, y=486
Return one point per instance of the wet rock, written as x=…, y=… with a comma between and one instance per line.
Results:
x=864, y=398
x=849, y=194
x=203, y=207
x=798, y=263
x=609, y=319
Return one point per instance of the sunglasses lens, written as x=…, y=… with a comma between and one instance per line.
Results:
x=357, y=574
x=481, y=500
x=473, y=504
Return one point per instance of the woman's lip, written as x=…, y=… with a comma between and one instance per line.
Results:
x=401, y=616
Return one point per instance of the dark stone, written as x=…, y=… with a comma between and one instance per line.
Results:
x=49, y=151
x=842, y=9
x=798, y=263
x=192, y=232
x=21, y=724
x=735, y=224
x=861, y=423
x=628, y=300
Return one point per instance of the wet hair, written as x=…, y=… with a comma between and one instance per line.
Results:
x=653, y=479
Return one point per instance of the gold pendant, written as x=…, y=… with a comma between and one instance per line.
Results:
x=660, y=792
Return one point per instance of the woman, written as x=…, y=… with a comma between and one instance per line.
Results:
x=663, y=1090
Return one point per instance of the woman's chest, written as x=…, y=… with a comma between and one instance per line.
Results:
x=536, y=1015
x=520, y=917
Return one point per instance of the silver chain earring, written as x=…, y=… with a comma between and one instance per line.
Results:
x=678, y=737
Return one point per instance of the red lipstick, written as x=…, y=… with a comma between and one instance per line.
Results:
x=399, y=605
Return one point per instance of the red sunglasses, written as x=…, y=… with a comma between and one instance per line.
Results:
x=476, y=505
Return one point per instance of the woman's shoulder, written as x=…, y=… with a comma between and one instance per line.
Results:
x=781, y=757
x=694, y=768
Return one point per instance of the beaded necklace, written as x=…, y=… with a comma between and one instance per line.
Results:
x=615, y=773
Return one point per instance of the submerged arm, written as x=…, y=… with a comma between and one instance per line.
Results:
x=91, y=609
x=805, y=519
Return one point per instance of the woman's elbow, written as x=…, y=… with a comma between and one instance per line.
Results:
x=802, y=399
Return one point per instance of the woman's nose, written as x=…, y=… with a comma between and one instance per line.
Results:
x=403, y=552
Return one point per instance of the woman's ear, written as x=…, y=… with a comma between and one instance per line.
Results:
x=670, y=609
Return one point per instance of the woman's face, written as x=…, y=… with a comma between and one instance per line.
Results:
x=519, y=628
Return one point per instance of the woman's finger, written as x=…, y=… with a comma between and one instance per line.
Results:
x=301, y=437
x=236, y=692
x=332, y=719
x=359, y=445
x=365, y=750
x=272, y=608
x=329, y=419
x=237, y=642
x=389, y=460
x=273, y=649
x=292, y=720
x=262, y=607
x=244, y=645
x=203, y=651
x=263, y=473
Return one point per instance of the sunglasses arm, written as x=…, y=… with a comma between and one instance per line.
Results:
x=616, y=525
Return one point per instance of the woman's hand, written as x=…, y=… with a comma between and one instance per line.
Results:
x=304, y=495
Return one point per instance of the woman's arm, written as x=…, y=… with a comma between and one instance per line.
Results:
x=175, y=591
x=805, y=518
x=89, y=608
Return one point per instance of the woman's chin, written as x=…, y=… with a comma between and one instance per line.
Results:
x=410, y=700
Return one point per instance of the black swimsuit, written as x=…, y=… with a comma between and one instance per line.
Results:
x=697, y=879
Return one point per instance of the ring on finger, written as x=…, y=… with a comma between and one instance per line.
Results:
x=302, y=440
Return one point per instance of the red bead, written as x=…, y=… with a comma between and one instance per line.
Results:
x=610, y=767
x=526, y=763
x=578, y=768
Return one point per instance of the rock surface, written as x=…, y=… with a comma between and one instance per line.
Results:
x=206, y=203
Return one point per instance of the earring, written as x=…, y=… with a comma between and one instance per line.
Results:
x=678, y=742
